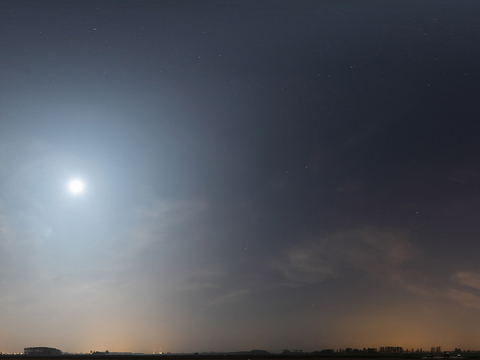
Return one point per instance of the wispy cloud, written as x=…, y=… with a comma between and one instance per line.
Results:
x=156, y=221
x=302, y=266
x=387, y=255
x=371, y=250
x=464, y=289
x=465, y=298
x=200, y=277
x=470, y=279
x=231, y=296
x=463, y=176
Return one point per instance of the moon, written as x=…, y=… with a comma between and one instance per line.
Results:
x=76, y=186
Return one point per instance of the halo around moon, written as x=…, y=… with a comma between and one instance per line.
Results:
x=76, y=186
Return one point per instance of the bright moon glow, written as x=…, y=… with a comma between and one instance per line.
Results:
x=76, y=186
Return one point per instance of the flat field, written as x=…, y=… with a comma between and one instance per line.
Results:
x=215, y=357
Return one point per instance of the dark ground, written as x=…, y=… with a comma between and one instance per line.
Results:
x=214, y=357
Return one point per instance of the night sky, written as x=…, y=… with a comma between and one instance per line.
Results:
x=262, y=174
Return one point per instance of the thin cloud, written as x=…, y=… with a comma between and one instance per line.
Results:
x=467, y=295
x=303, y=266
x=153, y=223
x=231, y=296
x=204, y=277
x=470, y=279
x=464, y=297
x=370, y=250
x=463, y=176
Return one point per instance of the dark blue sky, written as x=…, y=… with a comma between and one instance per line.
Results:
x=258, y=175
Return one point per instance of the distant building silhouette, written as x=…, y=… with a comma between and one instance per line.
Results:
x=327, y=351
x=391, y=349
x=259, y=352
x=41, y=351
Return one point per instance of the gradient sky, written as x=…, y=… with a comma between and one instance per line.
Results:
x=258, y=174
